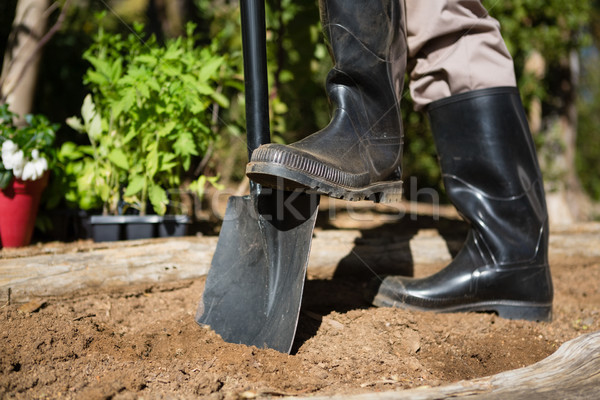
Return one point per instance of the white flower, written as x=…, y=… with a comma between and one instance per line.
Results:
x=41, y=166
x=14, y=159
x=34, y=169
x=9, y=148
x=28, y=172
x=16, y=162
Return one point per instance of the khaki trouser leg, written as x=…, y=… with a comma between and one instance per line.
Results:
x=454, y=46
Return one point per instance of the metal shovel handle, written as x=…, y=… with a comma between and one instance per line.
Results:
x=255, y=73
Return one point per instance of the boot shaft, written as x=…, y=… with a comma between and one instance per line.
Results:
x=377, y=24
x=367, y=41
x=491, y=173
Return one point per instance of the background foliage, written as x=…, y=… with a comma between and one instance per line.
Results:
x=588, y=105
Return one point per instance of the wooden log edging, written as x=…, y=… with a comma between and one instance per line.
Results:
x=147, y=261
x=572, y=372
x=121, y=263
x=22, y=279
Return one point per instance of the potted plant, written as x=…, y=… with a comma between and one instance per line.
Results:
x=148, y=116
x=26, y=154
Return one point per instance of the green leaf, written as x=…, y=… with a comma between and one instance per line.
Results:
x=196, y=106
x=92, y=123
x=95, y=127
x=204, y=88
x=75, y=123
x=127, y=100
x=147, y=59
x=130, y=135
x=173, y=52
x=116, y=70
x=153, y=84
x=168, y=157
x=88, y=109
x=167, y=128
x=100, y=65
x=170, y=70
x=96, y=78
x=152, y=160
x=144, y=90
x=197, y=186
x=170, y=166
x=214, y=181
x=209, y=68
x=136, y=184
x=168, y=162
x=104, y=71
x=89, y=150
x=118, y=157
x=69, y=151
x=5, y=178
x=221, y=99
x=158, y=198
x=185, y=145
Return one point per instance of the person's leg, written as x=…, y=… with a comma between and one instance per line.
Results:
x=454, y=46
x=358, y=155
x=491, y=175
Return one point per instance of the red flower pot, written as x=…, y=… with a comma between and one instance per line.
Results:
x=18, y=209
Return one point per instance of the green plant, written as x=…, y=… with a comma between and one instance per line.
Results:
x=97, y=180
x=26, y=149
x=149, y=115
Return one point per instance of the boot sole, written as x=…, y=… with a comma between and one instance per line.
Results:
x=539, y=312
x=284, y=178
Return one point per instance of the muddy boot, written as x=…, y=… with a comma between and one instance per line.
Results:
x=491, y=175
x=358, y=155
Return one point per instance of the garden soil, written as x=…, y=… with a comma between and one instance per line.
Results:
x=142, y=342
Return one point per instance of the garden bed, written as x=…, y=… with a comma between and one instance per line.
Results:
x=137, y=337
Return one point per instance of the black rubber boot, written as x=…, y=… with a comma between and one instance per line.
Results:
x=358, y=155
x=491, y=175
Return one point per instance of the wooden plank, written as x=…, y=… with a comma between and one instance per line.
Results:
x=572, y=372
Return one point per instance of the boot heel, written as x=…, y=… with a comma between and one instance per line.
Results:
x=386, y=192
x=529, y=313
x=392, y=196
